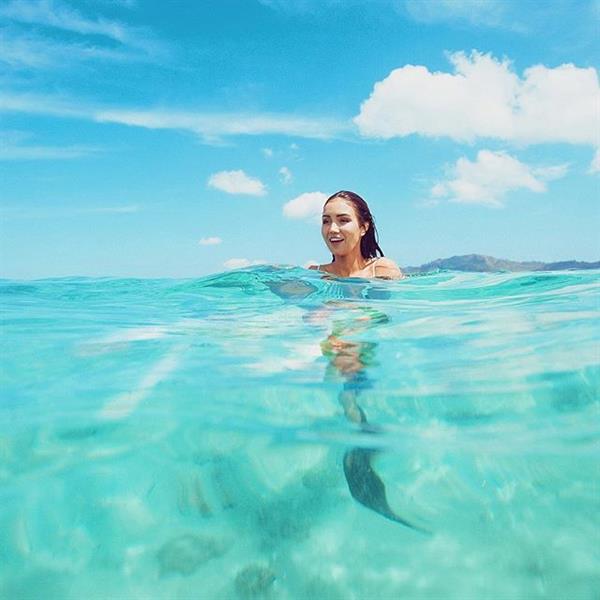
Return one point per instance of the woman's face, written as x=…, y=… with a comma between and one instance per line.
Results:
x=341, y=228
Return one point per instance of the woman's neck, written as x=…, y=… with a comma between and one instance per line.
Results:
x=344, y=266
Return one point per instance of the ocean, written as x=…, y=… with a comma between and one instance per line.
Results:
x=276, y=433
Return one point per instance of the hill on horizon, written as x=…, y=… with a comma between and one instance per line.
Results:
x=479, y=263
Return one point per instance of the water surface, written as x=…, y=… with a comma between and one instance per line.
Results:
x=185, y=438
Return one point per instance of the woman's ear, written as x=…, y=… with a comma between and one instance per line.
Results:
x=365, y=228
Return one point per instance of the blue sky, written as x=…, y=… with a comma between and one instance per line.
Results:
x=150, y=138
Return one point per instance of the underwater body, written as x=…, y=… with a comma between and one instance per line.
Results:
x=275, y=432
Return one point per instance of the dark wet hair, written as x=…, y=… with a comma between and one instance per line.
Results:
x=369, y=243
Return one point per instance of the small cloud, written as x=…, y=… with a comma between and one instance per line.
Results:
x=267, y=152
x=242, y=263
x=551, y=173
x=210, y=241
x=286, y=175
x=306, y=206
x=428, y=202
x=490, y=177
x=237, y=182
x=438, y=190
x=595, y=164
x=294, y=147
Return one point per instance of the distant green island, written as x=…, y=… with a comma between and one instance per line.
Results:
x=479, y=263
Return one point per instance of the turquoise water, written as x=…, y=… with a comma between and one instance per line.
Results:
x=186, y=438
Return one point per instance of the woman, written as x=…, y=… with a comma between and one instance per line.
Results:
x=349, y=232
x=348, y=229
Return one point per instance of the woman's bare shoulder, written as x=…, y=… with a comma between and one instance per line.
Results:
x=385, y=268
x=314, y=267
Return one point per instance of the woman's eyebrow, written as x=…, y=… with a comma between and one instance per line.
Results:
x=340, y=215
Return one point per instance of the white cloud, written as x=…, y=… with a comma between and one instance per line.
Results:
x=60, y=16
x=209, y=126
x=213, y=126
x=242, y=263
x=24, y=50
x=210, y=241
x=551, y=173
x=286, y=175
x=93, y=38
x=485, y=98
x=237, y=182
x=306, y=206
x=595, y=164
x=267, y=152
x=490, y=177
